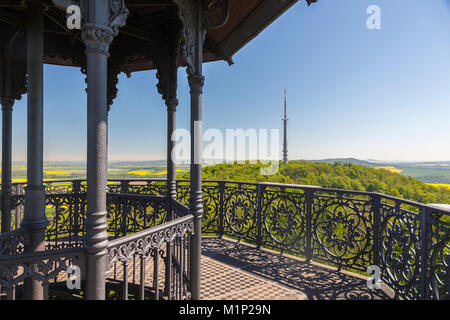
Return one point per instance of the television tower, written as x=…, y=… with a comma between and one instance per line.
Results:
x=285, y=120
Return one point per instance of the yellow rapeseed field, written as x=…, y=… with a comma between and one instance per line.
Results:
x=390, y=168
x=57, y=172
x=140, y=172
x=146, y=173
x=440, y=185
x=165, y=172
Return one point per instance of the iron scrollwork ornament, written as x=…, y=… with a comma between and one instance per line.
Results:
x=218, y=12
x=118, y=15
x=186, y=16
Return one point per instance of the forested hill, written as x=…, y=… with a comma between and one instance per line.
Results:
x=338, y=175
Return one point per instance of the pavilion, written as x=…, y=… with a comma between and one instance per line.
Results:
x=116, y=231
x=116, y=36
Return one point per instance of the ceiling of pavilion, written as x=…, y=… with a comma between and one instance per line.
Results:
x=147, y=26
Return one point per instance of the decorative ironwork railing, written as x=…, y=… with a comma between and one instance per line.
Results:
x=129, y=259
x=66, y=214
x=131, y=213
x=138, y=227
x=43, y=267
x=409, y=241
x=12, y=242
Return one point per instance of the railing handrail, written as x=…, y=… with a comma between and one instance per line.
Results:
x=276, y=215
x=149, y=231
x=177, y=205
x=274, y=184
x=40, y=255
x=137, y=196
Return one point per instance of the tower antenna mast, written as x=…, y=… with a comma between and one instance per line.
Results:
x=285, y=120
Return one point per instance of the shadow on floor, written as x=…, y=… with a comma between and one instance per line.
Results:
x=316, y=282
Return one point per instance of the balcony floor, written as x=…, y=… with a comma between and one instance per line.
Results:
x=237, y=271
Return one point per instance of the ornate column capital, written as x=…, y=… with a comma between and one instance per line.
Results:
x=171, y=104
x=97, y=38
x=7, y=103
x=196, y=83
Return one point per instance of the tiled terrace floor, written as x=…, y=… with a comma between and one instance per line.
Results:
x=238, y=271
x=234, y=271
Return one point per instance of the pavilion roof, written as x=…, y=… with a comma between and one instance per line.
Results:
x=147, y=25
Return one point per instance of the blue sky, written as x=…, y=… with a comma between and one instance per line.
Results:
x=352, y=92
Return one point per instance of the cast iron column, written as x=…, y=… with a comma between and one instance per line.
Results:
x=171, y=166
x=196, y=82
x=171, y=183
x=196, y=198
x=34, y=214
x=97, y=36
x=7, y=108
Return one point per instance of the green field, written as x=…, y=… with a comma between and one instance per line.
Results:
x=428, y=174
x=437, y=172
x=116, y=170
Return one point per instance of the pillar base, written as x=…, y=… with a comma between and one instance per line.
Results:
x=34, y=215
x=96, y=264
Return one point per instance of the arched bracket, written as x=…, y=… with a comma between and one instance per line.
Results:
x=13, y=63
x=118, y=15
x=218, y=12
x=311, y=1
x=190, y=13
x=112, y=81
x=185, y=14
x=166, y=62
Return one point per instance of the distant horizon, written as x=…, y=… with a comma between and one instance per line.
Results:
x=371, y=94
x=223, y=160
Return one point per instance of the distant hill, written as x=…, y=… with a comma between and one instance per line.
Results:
x=345, y=175
x=350, y=160
x=435, y=172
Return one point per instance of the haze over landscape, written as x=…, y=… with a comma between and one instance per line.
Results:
x=353, y=93
x=373, y=98
x=321, y=170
